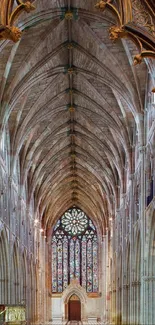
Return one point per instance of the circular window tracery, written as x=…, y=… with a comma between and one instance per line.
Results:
x=74, y=221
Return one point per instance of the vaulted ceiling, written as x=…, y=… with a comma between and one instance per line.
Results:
x=71, y=97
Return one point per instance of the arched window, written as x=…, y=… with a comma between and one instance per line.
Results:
x=74, y=252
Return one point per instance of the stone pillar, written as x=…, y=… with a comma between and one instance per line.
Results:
x=136, y=288
x=131, y=288
x=142, y=233
x=114, y=264
x=107, y=275
x=104, y=281
x=149, y=286
x=103, y=277
x=124, y=271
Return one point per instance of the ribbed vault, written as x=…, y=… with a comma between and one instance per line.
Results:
x=72, y=100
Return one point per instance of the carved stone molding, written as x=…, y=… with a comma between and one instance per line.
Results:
x=102, y=4
x=69, y=15
x=125, y=286
x=135, y=283
x=149, y=278
x=116, y=32
x=142, y=17
x=150, y=5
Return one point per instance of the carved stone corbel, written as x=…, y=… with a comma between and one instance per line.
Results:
x=11, y=33
x=102, y=4
x=116, y=32
x=9, y=16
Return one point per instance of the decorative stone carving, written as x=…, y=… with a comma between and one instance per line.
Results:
x=12, y=33
x=149, y=278
x=102, y=4
x=7, y=28
x=71, y=71
x=116, y=32
x=136, y=283
x=28, y=6
x=69, y=15
x=15, y=313
x=142, y=17
x=137, y=59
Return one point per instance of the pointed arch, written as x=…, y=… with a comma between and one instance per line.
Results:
x=15, y=275
x=151, y=252
x=23, y=284
x=75, y=252
x=137, y=275
x=75, y=289
x=128, y=280
x=4, y=263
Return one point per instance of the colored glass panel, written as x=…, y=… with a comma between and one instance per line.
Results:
x=74, y=252
x=54, y=266
x=77, y=260
x=59, y=248
x=95, y=265
x=84, y=261
x=72, y=260
x=89, y=266
x=65, y=262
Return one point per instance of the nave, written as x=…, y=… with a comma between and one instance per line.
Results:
x=77, y=162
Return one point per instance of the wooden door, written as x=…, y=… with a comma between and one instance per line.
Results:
x=74, y=310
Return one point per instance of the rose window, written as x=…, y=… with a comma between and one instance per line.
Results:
x=74, y=221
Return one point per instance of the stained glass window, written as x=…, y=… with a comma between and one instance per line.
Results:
x=77, y=260
x=59, y=247
x=72, y=259
x=54, y=268
x=65, y=262
x=74, y=252
x=84, y=261
x=89, y=265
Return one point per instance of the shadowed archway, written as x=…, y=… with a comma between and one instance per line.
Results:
x=74, y=308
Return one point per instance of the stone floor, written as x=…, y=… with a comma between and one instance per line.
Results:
x=78, y=323
x=73, y=322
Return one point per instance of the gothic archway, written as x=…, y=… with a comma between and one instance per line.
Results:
x=4, y=270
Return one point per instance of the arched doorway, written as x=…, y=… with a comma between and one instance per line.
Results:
x=74, y=288
x=74, y=308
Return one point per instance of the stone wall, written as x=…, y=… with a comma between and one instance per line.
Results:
x=22, y=244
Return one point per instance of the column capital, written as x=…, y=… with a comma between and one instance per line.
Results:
x=135, y=283
x=142, y=149
x=131, y=177
x=103, y=238
x=149, y=278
